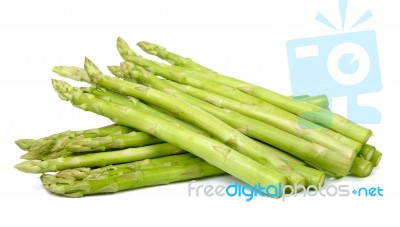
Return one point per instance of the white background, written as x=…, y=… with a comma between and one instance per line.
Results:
x=245, y=39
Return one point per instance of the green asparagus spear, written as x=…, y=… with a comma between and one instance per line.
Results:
x=196, y=116
x=311, y=153
x=319, y=100
x=98, y=159
x=86, y=173
x=127, y=101
x=361, y=167
x=132, y=139
x=25, y=144
x=212, y=151
x=332, y=141
x=135, y=103
x=311, y=112
x=172, y=58
x=366, y=152
x=44, y=146
x=269, y=113
x=136, y=179
x=376, y=158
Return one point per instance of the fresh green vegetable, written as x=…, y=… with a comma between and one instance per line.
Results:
x=98, y=159
x=366, y=152
x=212, y=151
x=319, y=100
x=361, y=167
x=86, y=173
x=111, y=142
x=25, y=144
x=308, y=111
x=195, y=115
x=44, y=146
x=265, y=112
x=376, y=158
x=194, y=169
x=339, y=161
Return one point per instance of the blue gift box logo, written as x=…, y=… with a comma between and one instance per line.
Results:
x=338, y=65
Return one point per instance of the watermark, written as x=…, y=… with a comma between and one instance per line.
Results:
x=343, y=66
x=249, y=192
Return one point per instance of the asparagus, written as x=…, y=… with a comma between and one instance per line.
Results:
x=196, y=116
x=361, y=167
x=127, y=101
x=312, y=153
x=87, y=173
x=367, y=151
x=133, y=139
x=172, y=58
x=314, y=177
x=44, y=146
x=252, y=127
x=98, y=159
x=136, y=179
x=319, y=100
x=135, y=103
x=115, y=70
x=300, y=97
x=269, y=113
x=331, y=141
x=308, y=111
x=85, y=145
x=25, y=144
x=376, y=158
x=212, y=151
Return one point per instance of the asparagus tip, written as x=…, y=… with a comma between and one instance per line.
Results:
x=71, y=72
x=29, y=156
x=25, y=144
x=62, y=88
x=28, y=167
x=92, y=70
x=124, y=49
x=115, y=70
x=149, y=48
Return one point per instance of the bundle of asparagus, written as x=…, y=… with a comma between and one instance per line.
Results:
x=182, y=121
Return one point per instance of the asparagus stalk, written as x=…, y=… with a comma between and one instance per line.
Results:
x=300, y=97
x=98, y=159
x=135, y=103
x=136, y=179
x=376, y=158
x=270, y=113
x=127, y=101
x=361, y=167
x=115, y=70
x=366, y=152
x=312, y=153
x=332, y=141
x=133, y=139
x=319, y=100
x=87, y=173
x=212, y=151
x=172, y=58
x=111, y=142
x=196, y=116
x=308, y=111
x=314, y=177
x=44, y=146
